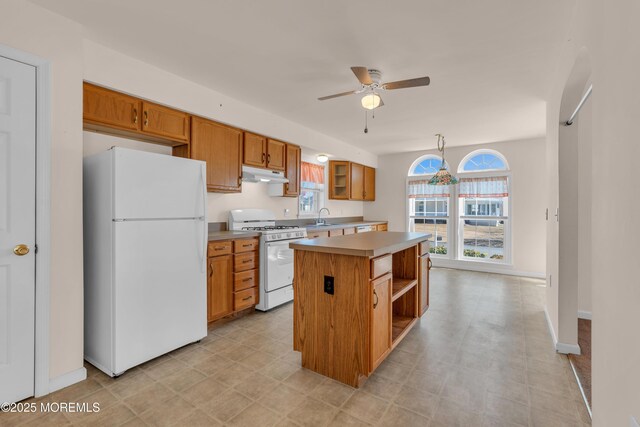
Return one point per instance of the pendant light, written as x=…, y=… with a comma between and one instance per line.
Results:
x=442, y=177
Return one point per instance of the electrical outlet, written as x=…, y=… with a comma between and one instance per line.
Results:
x=328, y=285
x=287, y=212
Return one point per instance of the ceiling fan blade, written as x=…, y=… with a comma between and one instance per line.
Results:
x=401, y=84
x=362, y=73
x=351, y=92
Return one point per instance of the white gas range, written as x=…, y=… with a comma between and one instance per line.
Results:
x=276, y=259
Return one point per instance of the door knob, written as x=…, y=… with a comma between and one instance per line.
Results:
x=21, y=250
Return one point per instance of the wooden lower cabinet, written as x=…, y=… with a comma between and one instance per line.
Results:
x=220, y=287
x=380, y=319
x=423, y=282
x=233, y=277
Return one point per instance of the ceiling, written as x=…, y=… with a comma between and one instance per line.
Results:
x=490, y=61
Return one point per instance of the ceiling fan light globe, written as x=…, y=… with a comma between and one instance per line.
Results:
x=371, y=101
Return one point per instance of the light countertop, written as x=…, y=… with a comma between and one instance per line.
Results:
x=227, y=235
x=312, y=227
x=369, y=244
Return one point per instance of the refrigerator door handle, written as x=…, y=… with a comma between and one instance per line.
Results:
x=203, y=247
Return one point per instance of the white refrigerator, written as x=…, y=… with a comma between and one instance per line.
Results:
x=145, y=237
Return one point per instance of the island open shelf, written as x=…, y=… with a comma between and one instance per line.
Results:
x=355, y=298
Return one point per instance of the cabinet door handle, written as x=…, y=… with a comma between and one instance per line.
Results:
x=219, y=248
x=429, y=264
x=246, y=245
x=247, y=260
x=375, y=303
x=210, y=271
x=268, y=158
x=247, y=298
x=146, y=118
x=239, y=181
x=135, y=116
x=263, y=157
x=248, y=279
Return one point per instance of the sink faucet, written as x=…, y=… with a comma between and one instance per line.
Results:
x=320, y=221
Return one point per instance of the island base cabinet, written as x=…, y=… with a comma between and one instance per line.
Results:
x=380, y=319
x=423, y=282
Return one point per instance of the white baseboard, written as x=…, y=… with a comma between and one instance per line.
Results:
x=584, y=315
x=485, y=267
x=560, y=346
x=567, y=348
x=67, y=379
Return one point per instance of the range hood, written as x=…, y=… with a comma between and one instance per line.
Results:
x=250, y=174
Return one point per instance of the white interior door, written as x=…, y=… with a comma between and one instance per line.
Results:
x=17, y=227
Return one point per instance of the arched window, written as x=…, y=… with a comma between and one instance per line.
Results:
x=483, y=160
x=428, y=205
x=483, y=207
x=425, y=165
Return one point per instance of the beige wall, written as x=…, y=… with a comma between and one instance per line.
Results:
x=585, y=201
x=51, y=37
x=607, y=29
x=526, y=159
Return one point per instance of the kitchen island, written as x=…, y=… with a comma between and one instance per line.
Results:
x=355, y=298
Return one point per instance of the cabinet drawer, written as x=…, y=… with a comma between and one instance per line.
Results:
x=244, y=299
x=381, y=265
x=350, y=230
x=245, y=261
x=219, y=248
x=245, y=279
x=245, y=245
x=316, y=234
x=337, y=232
x=423, y=247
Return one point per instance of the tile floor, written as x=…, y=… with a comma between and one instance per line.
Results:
x=481, y=356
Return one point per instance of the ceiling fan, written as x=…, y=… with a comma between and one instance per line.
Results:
x=370, y=81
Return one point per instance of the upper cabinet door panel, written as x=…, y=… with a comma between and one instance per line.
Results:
x=292, y=172
x=339, y=179
x=110, y=108
x=165, y=122
x=369, y=183
x=255, y=150
x=221, y=147
x=276, y=154
x=357, y=182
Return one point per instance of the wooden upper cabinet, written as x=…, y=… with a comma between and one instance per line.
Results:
x=292, y=171
x=339, y=179
x=276, y=154
x=165, y=122
x=255, y=150
x=381, y=290
x=369, y=184
x=221, y=147
x=356, y=192
x=113, y=109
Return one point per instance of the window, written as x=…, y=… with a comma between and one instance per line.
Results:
x=474, y=213
x=484, y=207
x=311, y=198
x=483, y=160
x=429, y=205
